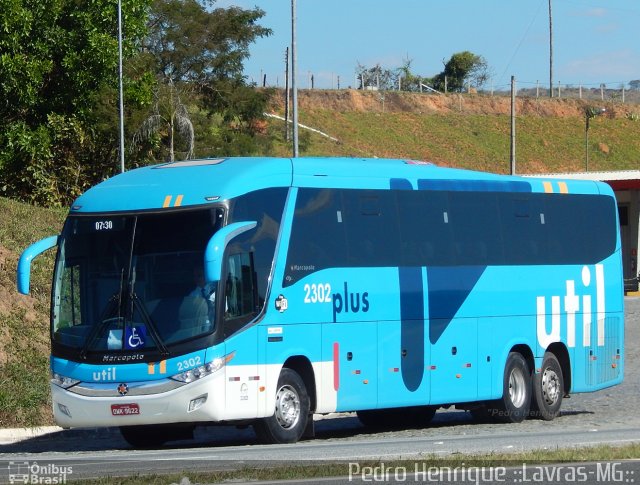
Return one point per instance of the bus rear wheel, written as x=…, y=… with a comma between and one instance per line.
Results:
x=515, y=403
x=548, y=389
x=291, y=414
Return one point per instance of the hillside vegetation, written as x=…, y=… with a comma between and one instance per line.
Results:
x=469, y=131
x=24, y=321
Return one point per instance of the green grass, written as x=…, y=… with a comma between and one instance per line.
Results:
x=310, y=471
x=24, y=321
x=474, y=141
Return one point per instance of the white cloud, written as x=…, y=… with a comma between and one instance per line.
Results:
x=591, y=12
x=596, y=12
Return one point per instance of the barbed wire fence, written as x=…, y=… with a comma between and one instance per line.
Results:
x=624, y=92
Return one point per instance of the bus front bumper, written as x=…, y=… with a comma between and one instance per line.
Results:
x=199, y=401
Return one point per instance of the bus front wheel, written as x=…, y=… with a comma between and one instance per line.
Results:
x=515, y=403
x=289, y=420
x=548, y=388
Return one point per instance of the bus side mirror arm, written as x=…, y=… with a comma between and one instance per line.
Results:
x=24, y=264
x=216, y=246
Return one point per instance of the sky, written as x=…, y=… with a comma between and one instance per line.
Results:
x=594, y=41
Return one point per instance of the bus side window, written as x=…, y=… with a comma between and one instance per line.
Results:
x=240, y=292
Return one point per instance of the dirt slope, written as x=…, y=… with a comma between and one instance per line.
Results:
x=372, y=101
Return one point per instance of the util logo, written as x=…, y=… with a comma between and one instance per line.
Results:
x=573, y=304
x=108, y=374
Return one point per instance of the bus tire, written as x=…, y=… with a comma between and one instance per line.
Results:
x=291, y=414
x=515, y=403
x=548, y=389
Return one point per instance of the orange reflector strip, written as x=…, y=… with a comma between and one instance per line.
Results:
x=563, y=187
x=167, y=201
x=151, y=368
x=548, y=187
x=163, y=367
x=178, y=201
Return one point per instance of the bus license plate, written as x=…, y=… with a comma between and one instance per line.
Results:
x=125, y=409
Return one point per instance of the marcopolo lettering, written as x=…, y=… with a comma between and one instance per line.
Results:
x=349, y=302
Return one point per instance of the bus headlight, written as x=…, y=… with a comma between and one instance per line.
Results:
x=204, y=370
x=62, y=381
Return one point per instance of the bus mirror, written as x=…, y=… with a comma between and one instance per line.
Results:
x=24, y=265
x=216, y=246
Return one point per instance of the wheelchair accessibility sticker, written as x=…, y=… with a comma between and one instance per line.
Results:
x=135, y=337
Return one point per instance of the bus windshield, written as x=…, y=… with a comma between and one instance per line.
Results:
x=133, y=282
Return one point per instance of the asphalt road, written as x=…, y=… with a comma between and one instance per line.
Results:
x=604, y=417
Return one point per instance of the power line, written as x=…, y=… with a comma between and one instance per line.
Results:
x=524, y=36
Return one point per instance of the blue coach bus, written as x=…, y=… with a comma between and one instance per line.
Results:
x=263, y=290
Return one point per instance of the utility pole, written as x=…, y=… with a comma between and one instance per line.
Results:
x=513, y=125
x=550, y=52
x=286, y=94
x=120, y=93
x=294, y=75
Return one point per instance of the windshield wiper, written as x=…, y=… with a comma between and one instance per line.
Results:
x=112, y=304
x=153, y=330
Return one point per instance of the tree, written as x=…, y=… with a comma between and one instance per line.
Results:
x=463, y=67
x=169, y=117
x=57, y=60
x=58, y=65
x=377, y=77
x=191, y=43
x=408, y=81
x=205, y=48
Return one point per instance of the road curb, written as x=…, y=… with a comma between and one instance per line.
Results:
x=13, y=435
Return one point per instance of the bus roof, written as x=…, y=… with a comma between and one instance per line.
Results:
x=197, y=182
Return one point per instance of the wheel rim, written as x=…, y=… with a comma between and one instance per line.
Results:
x=517, y=388
x=287, y=407
x=550, y=386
